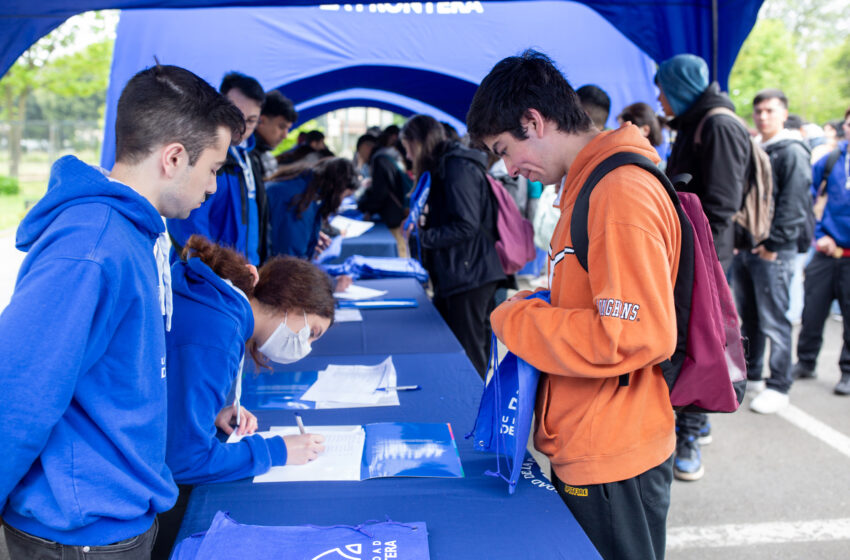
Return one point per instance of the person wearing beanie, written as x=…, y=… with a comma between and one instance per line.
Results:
x=715, y=150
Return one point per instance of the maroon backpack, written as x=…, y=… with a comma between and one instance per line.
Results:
x=707, y=372
x=515, y=245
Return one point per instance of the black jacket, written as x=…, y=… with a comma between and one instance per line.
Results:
x=385, y=196
x=720, y=165
x=792, y=179
x=459, y=236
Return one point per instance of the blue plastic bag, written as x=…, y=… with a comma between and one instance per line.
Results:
x=506, y=410
x=228, y=539
x=366, y=268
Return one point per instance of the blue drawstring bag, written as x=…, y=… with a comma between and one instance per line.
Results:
x=505, y=413
x=228, y=539
x=418, y=199
x=367, y=268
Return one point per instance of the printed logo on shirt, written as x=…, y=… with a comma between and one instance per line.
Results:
x=162, y=363
x=616, y=308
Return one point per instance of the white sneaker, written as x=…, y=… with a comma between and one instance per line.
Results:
x=769, y=401
x=755, y=387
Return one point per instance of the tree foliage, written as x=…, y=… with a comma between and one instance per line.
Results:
x=803, y=48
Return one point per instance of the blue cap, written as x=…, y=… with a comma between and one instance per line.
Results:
x=682, y=78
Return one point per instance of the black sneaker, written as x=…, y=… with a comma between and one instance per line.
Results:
x=843, y=387
x=802, y=371
x=688, y=462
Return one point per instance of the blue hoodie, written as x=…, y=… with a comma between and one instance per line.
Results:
x=290, y=234
x=210, y=325
x=83, y=368
x=836, y=216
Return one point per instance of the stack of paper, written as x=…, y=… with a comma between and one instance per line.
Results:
x=351, y=384
x=349, y=227
x=355, y=292
x=348, y=316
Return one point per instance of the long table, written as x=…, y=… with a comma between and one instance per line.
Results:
x=377, y=242
x=391, y=331
x=470, y=517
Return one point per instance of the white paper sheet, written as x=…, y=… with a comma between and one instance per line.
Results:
x=351, y=228
x=340, y=461
x=351, y=383
x=355, y=292
x=350, y=315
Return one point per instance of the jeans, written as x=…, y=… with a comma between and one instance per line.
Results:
x=23, y=546
x=827, y=279
x=761, y=290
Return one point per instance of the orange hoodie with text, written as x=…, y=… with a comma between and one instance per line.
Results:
x=616, y=318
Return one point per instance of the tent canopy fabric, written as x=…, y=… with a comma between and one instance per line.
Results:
x=661, y=28
x=324, y=58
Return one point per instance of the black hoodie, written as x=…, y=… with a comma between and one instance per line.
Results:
x=719, y=165
x=792, y=179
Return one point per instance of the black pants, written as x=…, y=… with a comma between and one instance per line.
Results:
x=468, y=316
x=23, y=546
x=169, y=524
x=827, y=279
x=627, y=519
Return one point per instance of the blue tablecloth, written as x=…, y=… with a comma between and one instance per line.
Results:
x=471, y=517
x=391, y=331
x=377, y=242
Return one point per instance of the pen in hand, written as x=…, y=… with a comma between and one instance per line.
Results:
x=300, y=423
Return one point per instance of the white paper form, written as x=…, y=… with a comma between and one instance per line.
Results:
x=351, y=384
x=356, y=293
x=349, y=315
x=341, y=459
x=351, y=228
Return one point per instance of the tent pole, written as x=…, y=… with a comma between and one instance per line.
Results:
x=714, y=40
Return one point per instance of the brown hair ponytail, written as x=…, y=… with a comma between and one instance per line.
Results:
x=226, y=263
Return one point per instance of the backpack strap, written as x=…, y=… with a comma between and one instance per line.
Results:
x=712, y=112
x=578, y=221
x=831, y=160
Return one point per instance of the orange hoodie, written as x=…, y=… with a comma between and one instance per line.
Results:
x=617, y=318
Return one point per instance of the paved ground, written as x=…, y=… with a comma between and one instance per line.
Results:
x=776, y=487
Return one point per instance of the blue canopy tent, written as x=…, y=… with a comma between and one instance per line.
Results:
x=325, y=58
x=712, y=29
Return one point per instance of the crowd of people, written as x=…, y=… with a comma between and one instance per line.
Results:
x=107, y=461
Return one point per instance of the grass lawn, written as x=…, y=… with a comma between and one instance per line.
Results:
x=33, y=174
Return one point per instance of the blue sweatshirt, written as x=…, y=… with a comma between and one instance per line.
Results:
x=83, y=368
x=290, y=234
x=836, y=216
x=210, y=325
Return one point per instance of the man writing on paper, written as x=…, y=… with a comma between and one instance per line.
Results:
x=610, y=444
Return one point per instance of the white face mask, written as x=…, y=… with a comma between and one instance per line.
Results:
x=285, y=346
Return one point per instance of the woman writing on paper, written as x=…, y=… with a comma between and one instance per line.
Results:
x=226, y=312
x=300, y=198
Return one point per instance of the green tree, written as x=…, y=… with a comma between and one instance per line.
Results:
x=767, y=59
x=52, y=65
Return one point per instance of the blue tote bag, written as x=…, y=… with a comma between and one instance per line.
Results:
x=505, y=413
x=228, y=539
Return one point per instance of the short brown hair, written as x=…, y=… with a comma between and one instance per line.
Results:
x=165, y=104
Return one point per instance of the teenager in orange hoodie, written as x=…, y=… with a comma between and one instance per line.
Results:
x=610, y=445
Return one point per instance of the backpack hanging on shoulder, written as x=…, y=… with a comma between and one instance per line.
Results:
x=515, y=245
x=707, y=371
x=755, y=217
